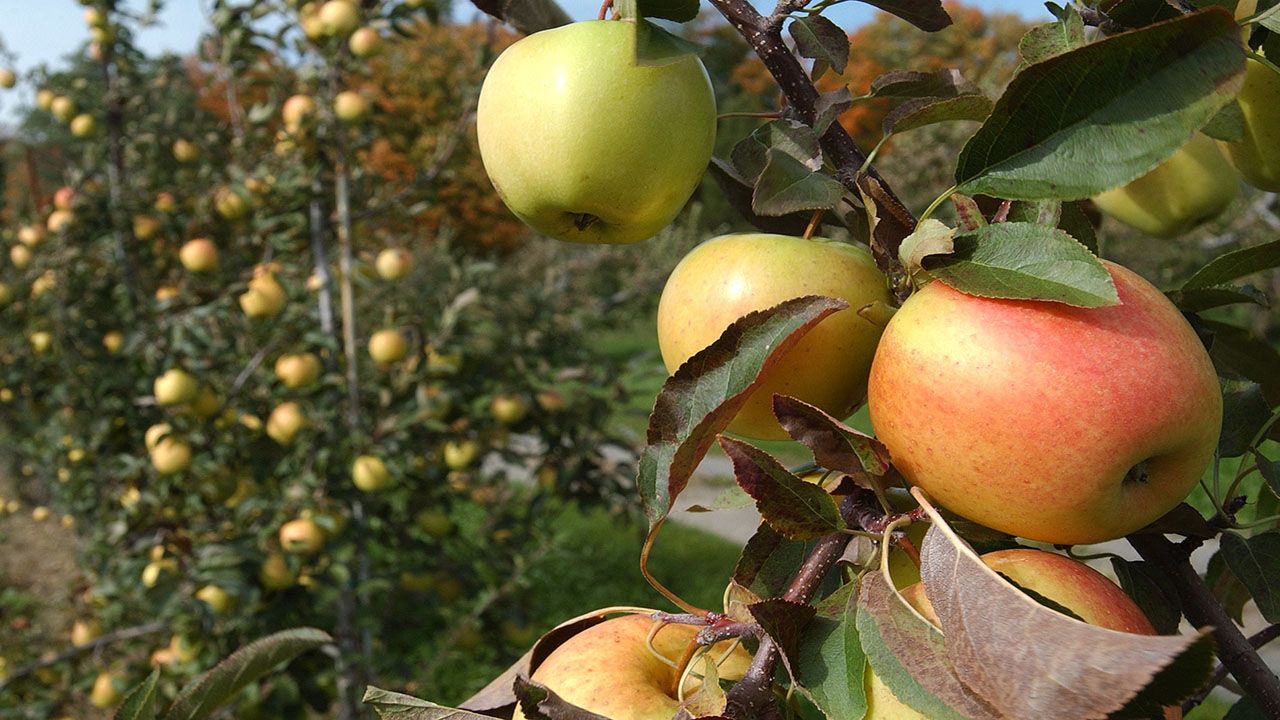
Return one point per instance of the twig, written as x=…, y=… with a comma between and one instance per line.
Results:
x=76, y=650
x=1201, y=608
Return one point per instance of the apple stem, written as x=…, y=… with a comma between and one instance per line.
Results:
x=604, y=9
x=813, y=224
x=691, y=649
x=653, y=581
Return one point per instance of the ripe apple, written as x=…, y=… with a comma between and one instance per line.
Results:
x=40, y=341
x=154, y=433
x=264, y=298
x=297, y=110
x=370, y=474
x=1192, y=186
x=183, y=650
x=365, y=42
x=1050, y=422
x=31, y=235
x=8, y=78
x=727, y=277
x=59, y=219
x=175, y=387
x=301, y=537
x=230, y=204
x=170, y=455
x=608, y=669
x=166, y=203
x=285, y=421
x=84, y=632
x=350, y=106
x=393, y=263
x=94, y=17
x=83, y=125
x=586, y=145
x=459, y=454
x=104, y=693
x=199, y=255
x=1073, y=585
x=145, y=227
x=297, y=370
x=275, y=573
x=64, y=197
x=44, y=99
x=46, y=282
x=113, y=341
x=166, y=292
x=1257, y=155
x=508, y=409
x=20, y=256
x=388, y=346
x=218, y=599
x=63, y=108
x=185, y=151
x=339, y=17
x=154, y=569
x=435, y=523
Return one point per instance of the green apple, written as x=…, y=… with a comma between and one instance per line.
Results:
x=284, y=422
x=609, y=670
x=1192, y=186
x=301, y=536
x=370, y=474
x=434, y=522
x=387, y=346
x=730, y=276
x=459, y=454
x=1054, y=423
x=1257, y=155
x=275, y=573
x=339, y=17
x=586, y=145
x=199, y=255
x=174, y=387
x=217, y=598
x=297, y=370
x=508, y=409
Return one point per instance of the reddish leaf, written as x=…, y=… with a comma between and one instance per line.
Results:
x=797, y=509
x=835, y=446
x=768, y=562
x=784, y=621
x=891, y=222
x=537, y=702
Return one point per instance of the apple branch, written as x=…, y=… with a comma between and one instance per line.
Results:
x=110, y=638
x=120, y=226
x=1238, y=655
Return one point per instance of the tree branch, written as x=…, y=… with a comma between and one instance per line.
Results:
x=76, y=650
x=1258, y=639
x=1238, y=656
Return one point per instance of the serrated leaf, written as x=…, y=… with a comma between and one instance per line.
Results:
x=1151, y=591
x=527, y=16
x=397, y=706
x=944, y=83
x=1046, y=41
x=1028, y=262
x=702, y=397
x=1162, y=84
x=784, y=621
x=932, y=237
x=928, y=15
x=1066, y=668
x=920, y=112
x=1040, y=212
x=796, y=139
x=796, y=509
x=834, y=445
x=140, y=703
x=738, y=190
x=787, y=185
x=1207, y=298
x=829, y=652
x=1076, y=223
x=1236, y=264
x=1256, y=562
x=817, y=38
x=206, y=693
x=768, y=562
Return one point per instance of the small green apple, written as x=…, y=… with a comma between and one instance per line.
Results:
x=434, y=522
x=1192, y=186
x=586, y=145
x=370, y=474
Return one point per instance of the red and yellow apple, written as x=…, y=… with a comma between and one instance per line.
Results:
x=1050, y=422
x=730, y=276
x=586, y=145
x=365, y=42
x=199, y=255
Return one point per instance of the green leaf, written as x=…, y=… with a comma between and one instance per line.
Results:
x=918, y=113
x=656, y=46
x=1151, y=592
x=1140, y=13
x=397, y=706
x=817, y=38
x=1041, y=212
x=738, y=190
x=1236, y=264
x=1246, y=708
x=1269, y=19
x=928, y=15
x=1244, y=412
x=1227, y=125
x=750, y=155
x=797, y=509
x=680, y=11
x=527, y=16
x=829, y=652
x=1135, y=98
x=947, y=82
x=206, y=693
x=1256, y=562
x=1206, y=298
x=1226, y=587
x=1025, y=261
x=140, y=703
x=787, y=185
x=1046, y=41
x=1269, y=470
x=1076, y=223
x=1235, y=351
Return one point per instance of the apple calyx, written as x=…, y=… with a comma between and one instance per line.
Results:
x=582, y=221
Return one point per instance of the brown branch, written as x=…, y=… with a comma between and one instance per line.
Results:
x=1203, y=610
x=121, y=228
x=1257, y=640
x=77, y=650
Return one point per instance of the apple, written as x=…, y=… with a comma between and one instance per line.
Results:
x=170, y=455
x=218, y=599
x=1192, y=186
x=104, y=693
x=46, y=282
x=586, y=145
x=1257, y=154
x=1070, y=584
x=166, y=292
x=727, y=277
x=508, y=409
x=297, y=110
x=285, y=421
x=31, y=235
x=350, y=106
x=435, y=523
x=182, y=649
x=309, y=20
x=264, y=298
x=64, y=197
x=365, y=42
x=230, y=204
x=206, y=404
x=551, y=401
x=20, y=256
x=175, y=387
x=83, y=125
x=339, y=17
x=145, y=227
x=1054, y=423
x=59, y=219
x=166, y=203
x=113, y=341
x=44, y=99
x=370, y=474
x=154, y=569
x=297, y=370
x=387, y=346
x=301, y=537
x=275, y=573
x=199, y=255
x=84, y=632
x=63, y=108
x=608, y=669
x=5, y=294
x=95, y=17
x=459, y=454
x=393, y=263
x=185, y=151
x=40, y=513
x=154, y=434
x=40, y=341
x=101, y=35
x=8, y=78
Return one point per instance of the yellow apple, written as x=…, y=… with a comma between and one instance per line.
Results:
x=730, y=276
x=264, y=298
x=370, y=474
x=5, y=294
x=393, y=263
x=145, y=227
x=298, y=109
x=83, y=125
x=435, y=523
x=1257, y=155
x=230, y=204
x=59, y=219
x=275, y=573
x=166, y=203
x=44, y=99
x=63, y=108
x=1050, y=422
x=20, y=256
x=94, y=17
x=170, y=455
x=218, y=599
x=309, y=19
x=206, y=403
x=155, y=569
x=154, y=433
x=301, y=537
x=31, y=235
x=586, y=145
x=508, y=409
x=350, y=106
x=199, y=255
x=40, y=341
x=40, y=513
x=84, y=632
x=459, y=454
x=1192, y=186
x=185, y=151
x=608, y=669
x=113, y=341
x=285, y=421
x=365, y=42
x=388, y=346
x=183, y=649
x=104, y=693
x=339, y=17
x=175, y=387
x=297, y=370
x=8, y=78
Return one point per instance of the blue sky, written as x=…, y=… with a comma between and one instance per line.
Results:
x=42, y=31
